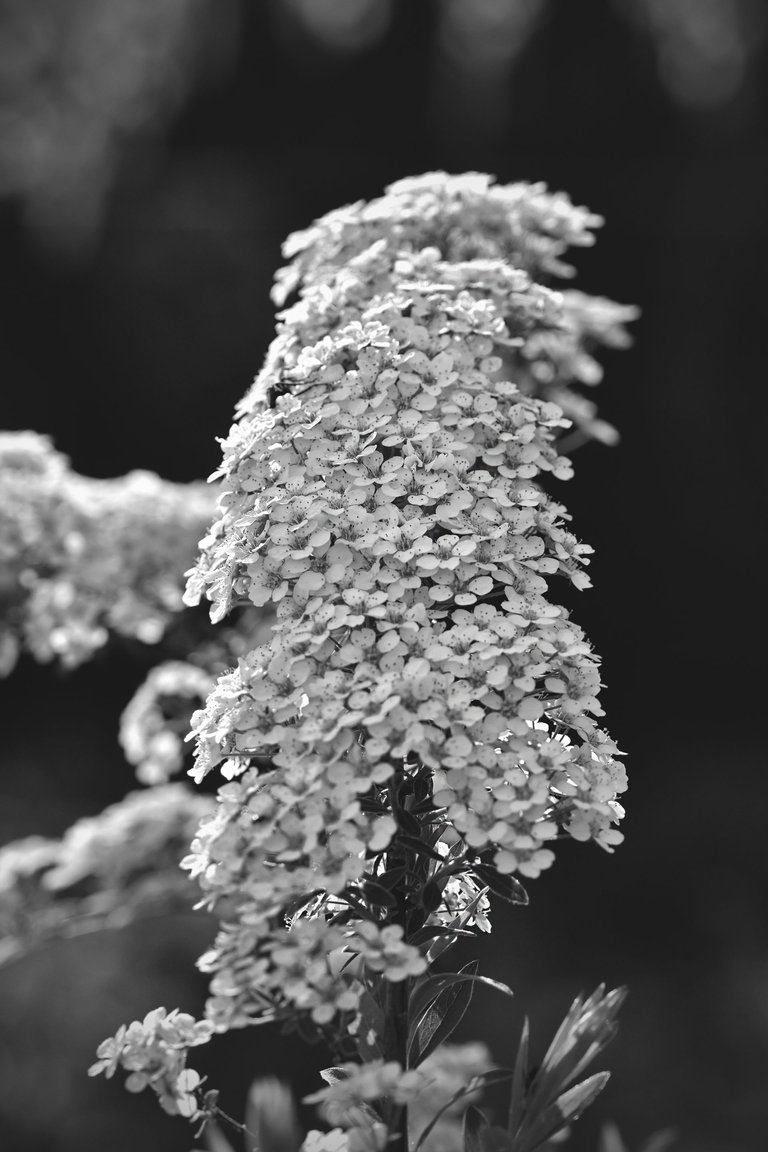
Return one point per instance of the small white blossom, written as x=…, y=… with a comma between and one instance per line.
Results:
x=154, y=1052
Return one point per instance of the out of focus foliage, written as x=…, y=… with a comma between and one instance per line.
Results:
x=86, y=85
x=83, y=557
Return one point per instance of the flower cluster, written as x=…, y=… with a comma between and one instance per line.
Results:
x=462, y=230
x=106, y=870
x=351, y=1086
x=154, y=1052
x=351, y=1089
x=81, y=558
x=382, y=493
x=423, y=719
x=274, y=840
x=155, y=722
x=369, y=1138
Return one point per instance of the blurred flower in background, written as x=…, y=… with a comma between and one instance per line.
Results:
x=339, y=25
x=80, y=80
x=705, y=49
x=85, y=84
x=478, y=46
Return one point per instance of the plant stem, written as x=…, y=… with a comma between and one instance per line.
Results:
x=397, y=1049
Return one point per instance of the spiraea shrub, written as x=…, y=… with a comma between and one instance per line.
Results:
x=405, y=716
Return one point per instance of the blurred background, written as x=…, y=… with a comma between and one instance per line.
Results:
x=153, y=155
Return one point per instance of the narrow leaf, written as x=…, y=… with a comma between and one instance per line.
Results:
x=474, y=1123
x=215, y=1139
x=432, y=931
x=610, y=1139
x=392, y=876
x=271, y=1116
x=418, y=846
x=519, y=1081
x=378, y=895
x=564, y=1110
x=440, y=1019
x=507, y=887
x=357, y=904
x=587, y=1028
x=409, y=823
x=660, y=1141
x=431, y=896
x=424, y=994
x=484, y=1080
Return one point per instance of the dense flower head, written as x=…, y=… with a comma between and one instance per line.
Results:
x=386, y=494
x=467, y=217
x=407, y=545
x=81, y=558
x=467, y=231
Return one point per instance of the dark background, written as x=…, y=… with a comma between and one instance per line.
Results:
x=151, y=170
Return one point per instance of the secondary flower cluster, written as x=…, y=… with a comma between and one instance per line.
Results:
x=154, y=1052
x=81, y=558
x=155, y=722
x=351, y=1088
x=106, y=870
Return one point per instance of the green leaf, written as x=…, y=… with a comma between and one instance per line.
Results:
x=610, y=1139
x=440, y=1019
x=453, y=868
x=485, y=1079
x=378, y=895
x=519, y=1082
x=215, y=1139
x=507, y=887
x=374, y=807
x=432, y=931
x=424, y=994
x=431, y=896
x=420, y=847
x=409, y=823
x=271, y=1116
x=495, y=1139
x=393, y=876
x=588, y=1026
x=474, y=1123
x=660, y=1141
x=357, y=904
x=565, y=1109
